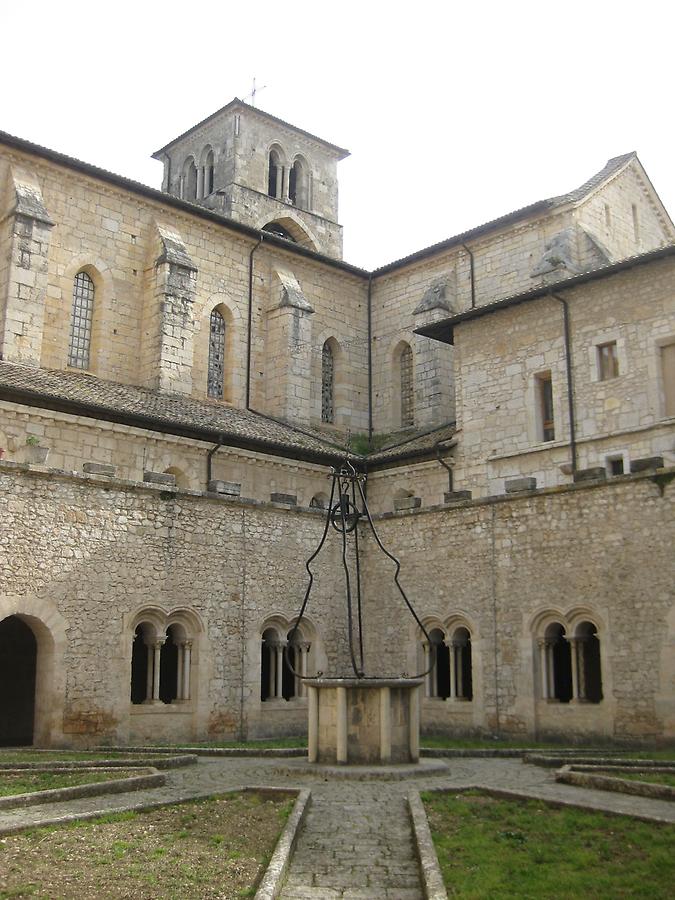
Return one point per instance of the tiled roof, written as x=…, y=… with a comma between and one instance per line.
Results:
x=419, y=444
x=613, y=165
x=82, y=394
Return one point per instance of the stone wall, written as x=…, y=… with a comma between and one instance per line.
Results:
x=498, y=359
x=504, y=568
x=82, y=556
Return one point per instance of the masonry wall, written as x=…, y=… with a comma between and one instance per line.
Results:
x=113, y=235
x=82, y=556
x=505, y=568
x=499, y=357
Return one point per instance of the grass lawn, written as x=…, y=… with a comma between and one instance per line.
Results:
x=209, y=849
x=42, y=756
x=27, y=782
x=495, y=848
x=654, y=777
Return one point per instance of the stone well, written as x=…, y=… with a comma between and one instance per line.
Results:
x=363, y=721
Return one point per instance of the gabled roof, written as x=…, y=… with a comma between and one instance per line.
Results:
x=612, y=167
x=236, y=104
x=444, y=329
x=81, y=394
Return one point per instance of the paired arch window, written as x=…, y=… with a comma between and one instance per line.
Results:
x=216, y=365
x=452, y=676
x=161, y=662
x=277, y=681
x=327, y=383
x=209, y=169
x=189, y=180
x=81, y=320
x=570, y=666
x=407, y=387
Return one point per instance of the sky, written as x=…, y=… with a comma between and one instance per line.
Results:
x=454, y=113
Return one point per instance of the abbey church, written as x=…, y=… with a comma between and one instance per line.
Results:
x=180, y=370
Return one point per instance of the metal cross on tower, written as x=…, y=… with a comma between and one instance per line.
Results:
x=254, y=91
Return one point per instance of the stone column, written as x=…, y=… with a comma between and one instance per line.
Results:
x=157, y=656
x=543, y=666
x=581, y=661
x=187, y=662
x=179, y=673
x=414, y=725
x=285, y=175
x=459, y=659
x=313, y=725
x=272, y=674
x=385, y=725
x=550, y=671
x=341, y=725
x=428, y=678
x=280, y=668
x=150, y=668
x=453, y=671
x=301, y=666
x=574, y=661
x=200, y=182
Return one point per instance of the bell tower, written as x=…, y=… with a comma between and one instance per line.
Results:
x=260, y=171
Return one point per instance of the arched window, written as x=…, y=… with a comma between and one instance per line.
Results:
x=82, y=316
x=298, y=184
x=461, y=672
x=209, y=168
x=161, y=663
x=586, y=662
x=327, y=384
x=407, y=387
x=277, y=681
x=189, y=186
x=275, y=174
x=216, y=369
x=437, y=682
x=555, y=664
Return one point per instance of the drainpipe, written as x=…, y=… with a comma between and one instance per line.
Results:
x=249, y=335
x=437, y=449
x=209, y=457
x=473, y=280
x=370, y=362
x=570, y=385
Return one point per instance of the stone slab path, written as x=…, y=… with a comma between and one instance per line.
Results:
x=357, y=840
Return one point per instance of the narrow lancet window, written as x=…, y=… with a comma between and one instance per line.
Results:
x=216, y=375
x=327, y=384
x=79, y=347
x=407, y=388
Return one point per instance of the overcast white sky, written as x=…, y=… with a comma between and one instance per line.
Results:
x=454, y=113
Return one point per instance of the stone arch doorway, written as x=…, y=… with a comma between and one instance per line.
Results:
x=18, y=678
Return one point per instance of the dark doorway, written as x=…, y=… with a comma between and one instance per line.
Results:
x=18, y=659
x=168, y=668
x=139, y=667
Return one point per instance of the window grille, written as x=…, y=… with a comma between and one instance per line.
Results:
x=327, y=384
x=79, y=346
x=407, y=388
x=216, y=376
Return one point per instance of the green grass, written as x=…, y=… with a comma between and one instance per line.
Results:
x=12, y=756
x=653, y=777
x=501, y=848
x=271, y=743
x=27, y=782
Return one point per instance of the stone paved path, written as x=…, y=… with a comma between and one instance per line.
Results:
x=357, y=841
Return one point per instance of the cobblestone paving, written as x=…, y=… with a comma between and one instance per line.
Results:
x=357, y=841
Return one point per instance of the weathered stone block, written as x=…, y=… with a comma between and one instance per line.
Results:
x=514, y=485
x=646, y=463
x=407, y=503
x=230, y=488
x=289, y=499
x=159, y=478
x=456, y=496
x=98, y=469
x=595, y=473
